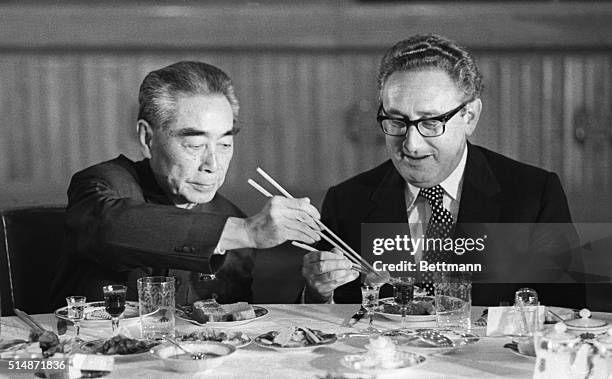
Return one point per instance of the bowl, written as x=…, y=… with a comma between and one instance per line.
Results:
x=168, y=354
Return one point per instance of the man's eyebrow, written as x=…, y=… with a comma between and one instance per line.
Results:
x=191, y=132
x=422, y=114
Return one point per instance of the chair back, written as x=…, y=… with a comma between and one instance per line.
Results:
x=30, y=245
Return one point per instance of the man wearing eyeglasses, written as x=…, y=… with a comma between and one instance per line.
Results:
x=429, y=92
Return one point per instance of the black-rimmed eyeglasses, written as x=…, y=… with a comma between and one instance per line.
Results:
x=397, y=126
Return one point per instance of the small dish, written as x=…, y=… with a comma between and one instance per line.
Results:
x=235, y=338
x=184, y=313
x=141, y=348
x=267, y=340
x=394, y=314
x=414, y=343
x=513, y=347
x=365, y=362
x=176, y=360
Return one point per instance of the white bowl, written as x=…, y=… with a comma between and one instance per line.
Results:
x=167, y=351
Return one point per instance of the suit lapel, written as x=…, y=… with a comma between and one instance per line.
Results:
x=387, y=204
x=479, y=195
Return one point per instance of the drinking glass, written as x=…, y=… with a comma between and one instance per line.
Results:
x=75, y=313
x=453, y=300
x=156, y=306
x=369, y=300
x=403, y=292
x=525, y=296
x=114, y=302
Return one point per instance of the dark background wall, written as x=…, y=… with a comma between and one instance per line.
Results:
x=305, y=75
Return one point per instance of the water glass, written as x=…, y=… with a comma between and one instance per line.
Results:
x=114, y=302
x=453, y=300
x=403, y=293
x=156, y=306
x=369, y=300
x=75, y=312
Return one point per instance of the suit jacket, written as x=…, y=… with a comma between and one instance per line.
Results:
x=120, y=226
x=495, y=189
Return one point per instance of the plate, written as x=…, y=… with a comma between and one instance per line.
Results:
x=364, y=362
x=184, y=313
x=513, y=347
x=235, y=338
x=411, y=342
x=398, y=315
x=265, y=340
x=95, y=315
x=91, y=347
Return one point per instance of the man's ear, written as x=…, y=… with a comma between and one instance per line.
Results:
x=145, y=136
x=472, y=115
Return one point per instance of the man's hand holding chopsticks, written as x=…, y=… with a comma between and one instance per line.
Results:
x=282, y=219
x=325, y=271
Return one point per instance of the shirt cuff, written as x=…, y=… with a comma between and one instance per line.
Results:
x=219, y=251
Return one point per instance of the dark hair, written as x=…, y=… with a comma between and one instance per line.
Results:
x=160, y=90
x=432, y=51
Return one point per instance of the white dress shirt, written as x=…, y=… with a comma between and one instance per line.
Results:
x=419, y=210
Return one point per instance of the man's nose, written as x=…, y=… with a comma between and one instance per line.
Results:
x=209, y=160
x=413, y=140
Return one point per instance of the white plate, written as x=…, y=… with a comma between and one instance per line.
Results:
x=184, y=313
x=120, y=357
x=409, y=318
x=95, y=313
x=230, y=337
x=516, y=352
x=411, y=343
x=259, y=340
x=362, y=362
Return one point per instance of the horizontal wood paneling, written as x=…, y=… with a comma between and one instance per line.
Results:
x=306, y=80
x=340, y=24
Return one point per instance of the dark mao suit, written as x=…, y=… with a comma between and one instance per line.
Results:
x=120, y=226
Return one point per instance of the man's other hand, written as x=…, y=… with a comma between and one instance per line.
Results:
x=325, y=271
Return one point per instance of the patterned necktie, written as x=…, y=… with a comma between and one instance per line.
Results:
x=440, y=226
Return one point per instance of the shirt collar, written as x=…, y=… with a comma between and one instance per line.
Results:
x=451, y=185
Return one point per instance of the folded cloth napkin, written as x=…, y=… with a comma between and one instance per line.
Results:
x=514, y=321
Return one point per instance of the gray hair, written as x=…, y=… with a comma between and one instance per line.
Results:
x=160, y=90
x=432, y=51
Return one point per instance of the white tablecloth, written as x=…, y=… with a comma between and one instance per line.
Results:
x=485, y=359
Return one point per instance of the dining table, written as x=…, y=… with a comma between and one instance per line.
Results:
x=485, y=358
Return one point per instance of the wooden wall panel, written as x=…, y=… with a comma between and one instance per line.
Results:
x=308, y=116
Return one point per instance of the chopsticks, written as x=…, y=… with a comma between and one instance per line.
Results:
x=347, y=250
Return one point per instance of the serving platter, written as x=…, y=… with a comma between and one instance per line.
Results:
x=266, y=340
x=410, y=342
x=95, y=314
x=184, y=313
x=396, y=314
x=93, y=347
x=235, y=338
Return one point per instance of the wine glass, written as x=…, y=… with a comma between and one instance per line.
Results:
x=114, y=301
x=369, y=300
x=75, y=313
x=403, y=292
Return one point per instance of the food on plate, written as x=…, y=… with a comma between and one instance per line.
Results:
x=118, y=344
x=419, y=306
x=295, y=337
x=211, y=311
x=233, y=338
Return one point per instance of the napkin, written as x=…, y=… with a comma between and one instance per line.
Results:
x=509, y=320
